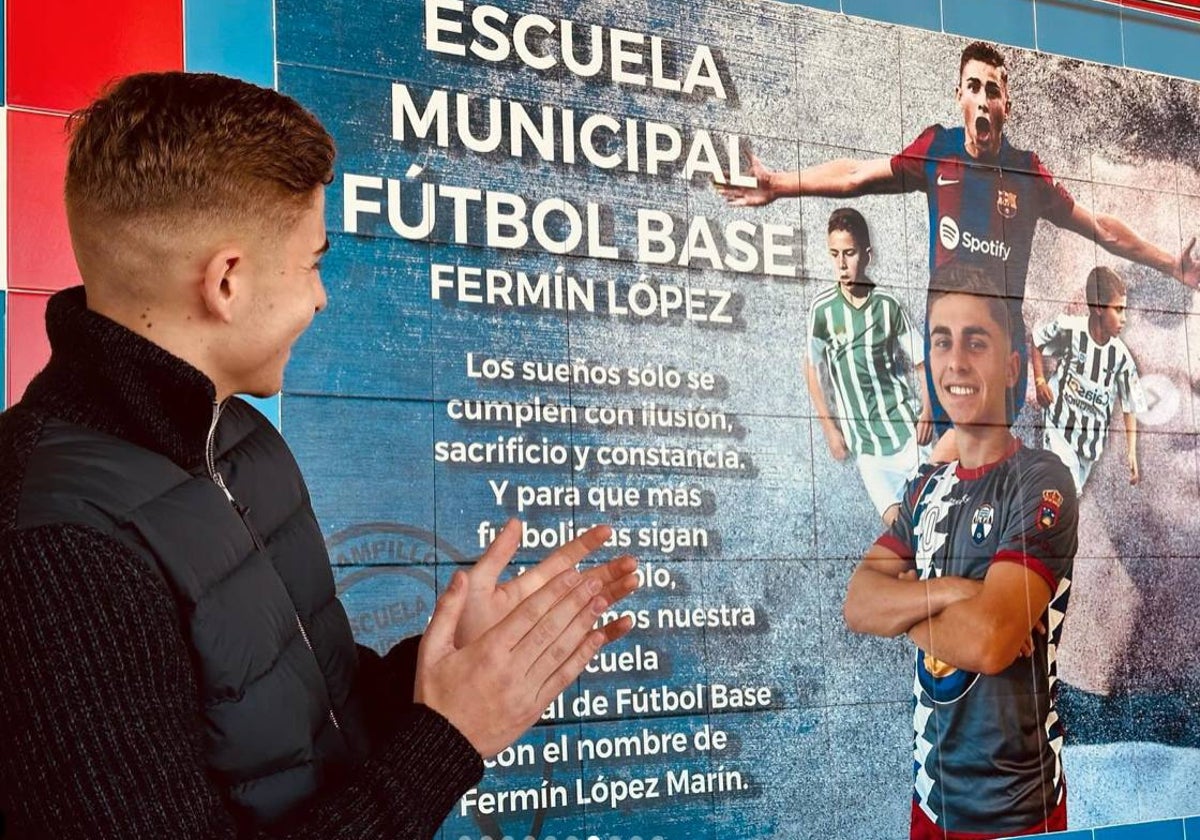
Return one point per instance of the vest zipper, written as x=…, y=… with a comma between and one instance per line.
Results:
x=242, y=512
x=210, y=459
x=304, y=635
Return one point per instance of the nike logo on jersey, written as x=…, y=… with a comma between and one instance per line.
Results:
x=945, y=182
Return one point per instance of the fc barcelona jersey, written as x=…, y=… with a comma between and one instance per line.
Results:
x=983, y=213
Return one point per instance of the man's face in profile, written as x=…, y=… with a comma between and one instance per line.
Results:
x=284, y=289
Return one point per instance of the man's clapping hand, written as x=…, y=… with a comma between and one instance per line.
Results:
x=495, y=655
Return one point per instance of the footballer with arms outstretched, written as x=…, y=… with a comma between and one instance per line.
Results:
x=985, y=196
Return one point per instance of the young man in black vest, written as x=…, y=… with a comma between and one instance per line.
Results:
x=175, y=662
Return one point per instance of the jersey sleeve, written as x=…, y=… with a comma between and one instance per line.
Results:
x=1056, y=202
x=1050, y=337
x=909, y=165
x=1129, y=388
x=1041, y=521
x=818, y=342
x=911, y=345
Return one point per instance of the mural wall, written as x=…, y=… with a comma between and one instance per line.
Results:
x=542, y=306
x=553, y=297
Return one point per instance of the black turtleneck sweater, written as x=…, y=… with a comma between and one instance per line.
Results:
x=100, y=727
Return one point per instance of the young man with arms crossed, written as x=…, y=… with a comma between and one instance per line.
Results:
x=976, y=570
x=1095, y=369
x=175, y=662
x=985, y=196
x=858, y=333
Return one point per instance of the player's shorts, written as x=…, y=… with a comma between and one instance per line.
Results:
x=923, y=828
x=1080, y=468
x=886, y=475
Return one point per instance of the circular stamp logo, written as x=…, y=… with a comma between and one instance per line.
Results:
x=386, y=577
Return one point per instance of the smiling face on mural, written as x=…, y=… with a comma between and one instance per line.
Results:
x=971, y=360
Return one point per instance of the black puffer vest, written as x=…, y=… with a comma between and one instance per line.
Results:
x=211, y=498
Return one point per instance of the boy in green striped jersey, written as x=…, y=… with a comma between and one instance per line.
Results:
x=857, y=333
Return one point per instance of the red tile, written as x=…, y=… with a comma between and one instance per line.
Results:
x=62, y=52
x=28, y=347
x=39, y=247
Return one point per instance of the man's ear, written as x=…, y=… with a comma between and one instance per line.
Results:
x=1013, y=373
x=222, y=282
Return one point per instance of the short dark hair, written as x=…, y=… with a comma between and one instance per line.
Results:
x=1103, y=286
x=958, y=278
x=851, y=221
x=163, y=144
x=985, y=52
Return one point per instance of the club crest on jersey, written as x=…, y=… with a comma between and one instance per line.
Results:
x=1048, y=513
x=1006, y=203
x=981, y=523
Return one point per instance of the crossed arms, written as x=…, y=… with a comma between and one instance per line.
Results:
x=978, y=626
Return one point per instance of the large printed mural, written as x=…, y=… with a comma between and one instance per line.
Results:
x=666, y=266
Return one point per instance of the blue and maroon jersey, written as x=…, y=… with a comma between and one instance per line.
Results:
x=987, y=749
x=984, y=213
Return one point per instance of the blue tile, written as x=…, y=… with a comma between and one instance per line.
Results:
x=1082, y=834
x=827, y=5
x=926, y=14
x=1002, y=21
x=1161, y=830
x=1191, y=828
x=1153, y=42
x=1079, y=28
x=269, y=406
x=366, y=463
x=233, y=37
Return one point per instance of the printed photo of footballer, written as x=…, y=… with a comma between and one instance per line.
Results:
x=1094, y=370
x=976, y=571
x=859, y=335
x=984, y=195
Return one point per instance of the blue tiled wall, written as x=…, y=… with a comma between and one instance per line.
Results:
x=233, y=37
x=1087, y=29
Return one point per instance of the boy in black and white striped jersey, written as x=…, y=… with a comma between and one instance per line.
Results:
x=1094, y=370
